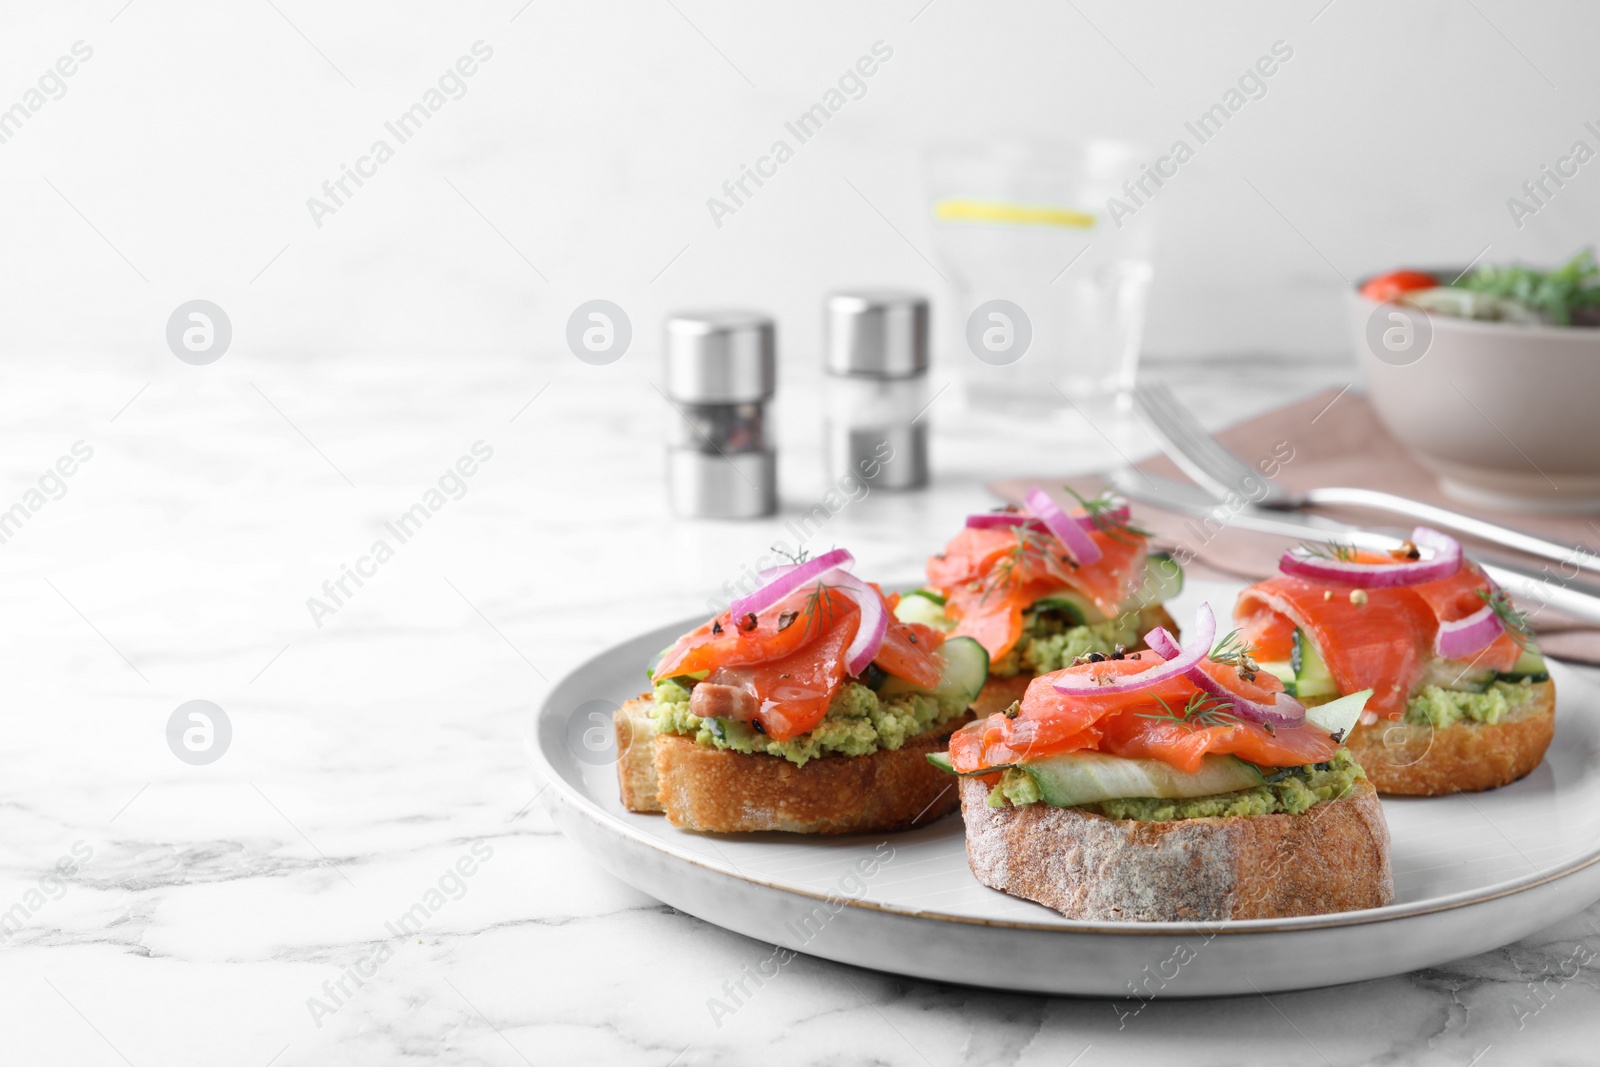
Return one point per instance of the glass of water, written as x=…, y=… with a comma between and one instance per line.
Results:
x=1047, y=255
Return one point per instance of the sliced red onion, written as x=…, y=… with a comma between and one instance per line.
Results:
x=787, y=582
x=994, y=520
x=1079, y=544
x=1464, y=638
x=1286, y=711
x=990, y=520
x=1445, y=559
x=1180, y=662
x=874, y=622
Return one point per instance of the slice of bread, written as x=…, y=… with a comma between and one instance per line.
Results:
x=720, y=791
x=1334, y=857
x=1408, y=759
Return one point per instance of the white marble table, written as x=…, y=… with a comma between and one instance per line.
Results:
x=240, y=911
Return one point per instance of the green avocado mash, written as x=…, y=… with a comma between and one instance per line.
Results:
x=1297, y=791
x=858, y=722
x=1050, y=641
x=1438, y=707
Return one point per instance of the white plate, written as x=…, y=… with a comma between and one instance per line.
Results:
x=1472, y=872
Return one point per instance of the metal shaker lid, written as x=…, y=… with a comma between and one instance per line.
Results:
x=720, y=357
x=877, y=333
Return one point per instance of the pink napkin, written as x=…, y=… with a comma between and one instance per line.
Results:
x=1331, y=438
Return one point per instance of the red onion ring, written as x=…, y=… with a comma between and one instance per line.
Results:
x=993, y=520
x=785, y=579
x=1285, y=711
x=1181, y=662
x=989, y=520
x=1465, y=637
x=1078, y=543
x=874, y=622
x=1443, y=563
x=788, y=581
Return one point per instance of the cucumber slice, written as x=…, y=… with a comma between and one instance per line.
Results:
x=966, y=668
x=1530, y=666
x=731, y=731
x=1075, y=778
x=928, y=594
x=1340, y=716
x=1312, y=678
x=1283, y=671
x=921, y=609
x=1163, y=578
x=1077, y=610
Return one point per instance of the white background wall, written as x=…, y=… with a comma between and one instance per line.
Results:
x=193, y=137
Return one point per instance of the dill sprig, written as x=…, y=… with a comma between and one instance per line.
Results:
x=1235, y=653
x=797, y=557
x=1334, y=550
x=1202, y=710
x=1513, y=621
x=1102, y=512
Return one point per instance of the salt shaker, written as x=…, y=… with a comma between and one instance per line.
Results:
x=720, y=374
x=877, y=367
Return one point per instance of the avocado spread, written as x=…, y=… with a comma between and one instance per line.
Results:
x=859, y=722
x=1437, y=707
x=1289, y=791
x=1051, y=640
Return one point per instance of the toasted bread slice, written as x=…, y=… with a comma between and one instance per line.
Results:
x=721, y=791
x=1407, y=759
x=1334, y=857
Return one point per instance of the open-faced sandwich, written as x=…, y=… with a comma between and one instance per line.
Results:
x=806, y=707
x=1171, y=784
x=1040, y=587
x=1461, y=698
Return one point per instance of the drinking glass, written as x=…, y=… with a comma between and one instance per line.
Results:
x=1048, y=278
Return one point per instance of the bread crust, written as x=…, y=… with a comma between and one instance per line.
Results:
x=1407, y=759
x=1332, y=858
x=715, y=790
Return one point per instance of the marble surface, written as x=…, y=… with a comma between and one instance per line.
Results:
x=253, y=910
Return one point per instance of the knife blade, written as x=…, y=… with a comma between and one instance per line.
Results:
x=1534, y=588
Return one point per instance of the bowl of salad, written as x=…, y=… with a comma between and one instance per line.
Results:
x=1491, y=377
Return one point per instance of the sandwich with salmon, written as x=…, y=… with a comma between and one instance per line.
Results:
x=1172, y=784
x=1040, y=586
x=806, y=707
x=1462, y=700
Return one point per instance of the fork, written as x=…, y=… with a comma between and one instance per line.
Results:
x=1223, y=474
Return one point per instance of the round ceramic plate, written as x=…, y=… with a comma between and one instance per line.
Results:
x=1472, y=872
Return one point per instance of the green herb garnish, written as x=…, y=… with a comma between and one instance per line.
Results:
x=1333, y=550
x=1235, y=653
x=1102, y=512
x=1570, y=292
x=1202, y=710
x=1513, y=621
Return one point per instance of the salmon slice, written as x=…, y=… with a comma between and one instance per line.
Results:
x=1145, y=733
x=908, y=652
x=1378, y=639
x=1050, y=722
x=990, y=576
x=790, y=624
x=790, y=695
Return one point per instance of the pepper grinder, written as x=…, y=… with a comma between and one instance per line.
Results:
x=877, y=366
x=721, y=372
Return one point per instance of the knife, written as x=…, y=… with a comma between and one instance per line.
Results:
x=1540, y=589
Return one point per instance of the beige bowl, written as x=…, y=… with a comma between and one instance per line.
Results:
x=1507, y=416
